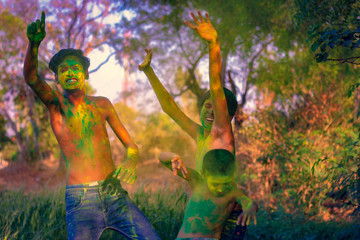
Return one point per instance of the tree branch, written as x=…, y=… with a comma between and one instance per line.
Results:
x=351, y=60
x=101, y=64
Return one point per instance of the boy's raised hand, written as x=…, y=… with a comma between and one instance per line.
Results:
x=36, y=30
x=178, y=164
x=146, y=63
x=203, y=27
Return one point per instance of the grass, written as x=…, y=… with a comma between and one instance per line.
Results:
x=42, y=216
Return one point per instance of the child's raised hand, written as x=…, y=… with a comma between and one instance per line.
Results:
x=36, y=30
x=178, y=164
x=203, y=27
x=248, y=214
x=146, y=63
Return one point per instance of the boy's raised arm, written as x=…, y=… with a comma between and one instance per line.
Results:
x=36, y=33
x=166, y=101
x=207, y=32
x=127, y=170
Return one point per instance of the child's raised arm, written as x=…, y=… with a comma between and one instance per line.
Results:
x=36, y=33
x=221, y=126
x=174, y=162
x=250, y=208
x=166, y=101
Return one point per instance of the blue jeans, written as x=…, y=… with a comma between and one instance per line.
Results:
x=90, y=209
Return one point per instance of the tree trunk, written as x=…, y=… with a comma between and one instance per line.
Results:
x=33, y=116
x=22, y=156
x=356, y=103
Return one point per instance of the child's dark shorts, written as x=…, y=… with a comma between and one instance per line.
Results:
x=231, y=231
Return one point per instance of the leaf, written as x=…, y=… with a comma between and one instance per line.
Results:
x=321, y=57
x=315, y=46
x=331, y=44
x=356, y=45
x=323, y=47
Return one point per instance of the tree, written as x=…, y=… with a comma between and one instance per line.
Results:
x=159, y=25
x=333, y=28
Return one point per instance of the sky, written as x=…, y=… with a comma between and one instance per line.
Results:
x=107, y=81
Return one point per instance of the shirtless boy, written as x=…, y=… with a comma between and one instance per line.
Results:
x=217, y=108
x=214, y=194
x=78, y=122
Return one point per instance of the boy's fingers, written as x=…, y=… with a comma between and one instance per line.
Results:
x=124, y=175
x=201, y=17
x=207, y=17
x=128, y=177
x=132, y=179
x=195, y=19
x=31, y=28
x=184, y=167
x=116, y=172
x=183, y=172
x=255, y=220
x=38, y=29
x=243, y=220
x=190, y=25
x=248, y=222
x=43, y=17
x=120, y=173
x=175, y=171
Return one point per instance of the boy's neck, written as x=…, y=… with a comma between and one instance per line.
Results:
x=76, y=97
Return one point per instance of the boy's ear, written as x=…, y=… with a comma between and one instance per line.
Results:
x=56, y=78
x=202, y=173
x=87, y=74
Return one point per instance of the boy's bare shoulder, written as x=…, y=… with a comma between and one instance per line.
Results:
x=100, y=101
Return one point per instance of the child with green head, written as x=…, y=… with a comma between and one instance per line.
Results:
x=79, y=124
x=214, y=194
x=217, y=107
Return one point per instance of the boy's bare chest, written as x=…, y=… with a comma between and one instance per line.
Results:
x=82, y=121
x=206, y=214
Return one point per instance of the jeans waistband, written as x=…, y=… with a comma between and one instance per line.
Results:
x=86, y=185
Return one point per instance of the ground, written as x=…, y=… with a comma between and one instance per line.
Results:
x=14, y=176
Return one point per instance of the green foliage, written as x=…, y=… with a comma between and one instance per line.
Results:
x=42, y=216
x=330, y=24
x=280, y=225
x=308, y=166
x=154, y=133
x=32, y=216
